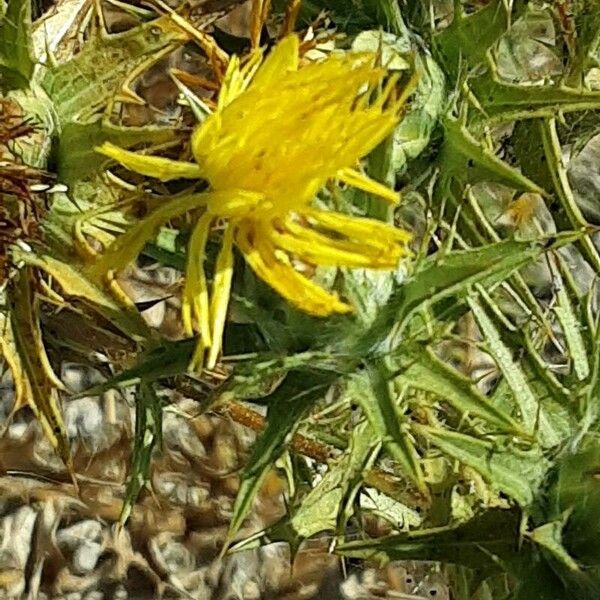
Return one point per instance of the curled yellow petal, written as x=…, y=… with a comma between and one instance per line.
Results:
x=194, y=304
x=220, y=295
x=359, y=228
x=282, y=277
x=366, y=184
x=158, y=167
x=320, y=249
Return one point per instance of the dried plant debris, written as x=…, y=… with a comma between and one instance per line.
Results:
x=299, y=299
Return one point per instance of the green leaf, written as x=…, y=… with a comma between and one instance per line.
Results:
x=148, y=435
x=83, y=85
x=254, y=379
x=35, y=149
x=40, y=382
x=466, y=160
x=504, y=102
x=16, y=48
x=486, y=542
x=532, y=413
x=562, y=186
x=516, y=473
x=321, y=509
x=587, y=40
x=385, y=418
x=428, y=373
x=287, y=406
x=75, y=284
x=468, y=39
x=413, y=133
x=571, y=327
x=549, y=537
x=76, y=155
x=451, y=275
x=357, y=15
x=576, y=493
x=167, y=360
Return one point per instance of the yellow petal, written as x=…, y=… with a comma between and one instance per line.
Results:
x=283, y=58
x=359, y=228
x=220, y=295
x=158, y=167
x=194, y=303
x=366, y=184
x=281, y=276
x=320, y=249
x=230, y=86
x=238, y=77
x=197, y=361
x=237, y=205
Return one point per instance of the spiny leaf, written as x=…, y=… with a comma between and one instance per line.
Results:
x=515, y=472
x=89, y=209
x=167, y=360
x=322, y=507
x=485, y=542
x=504, y=102
x=468, y=38
x=571, y=327
x=451, y=276
x=287, y=406
x=76, y=155
x=587, y=39
x=413, y=133
x=35, y=149
x=75, y=284
x=380, y=408
x=591, y=405
x=254, y=379
x=464, y=158
x=427, y=372
x=531, y=411
x=10, y=353
x=88, y=81
x=42, y=394
x=549, y=537
x=148, y=435
x=562, y=186
x=357, y=14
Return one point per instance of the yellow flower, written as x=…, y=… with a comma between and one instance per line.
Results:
x=279, y=133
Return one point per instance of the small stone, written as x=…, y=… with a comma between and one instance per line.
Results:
x=170, y=555
x=79, y=378
x=179, y=435
x=81, y=532
x=86, y=557
x=83, y=419
x=16, y=530
x=251, y=591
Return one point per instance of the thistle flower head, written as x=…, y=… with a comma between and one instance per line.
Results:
x=279, y=133
x=292, y=129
